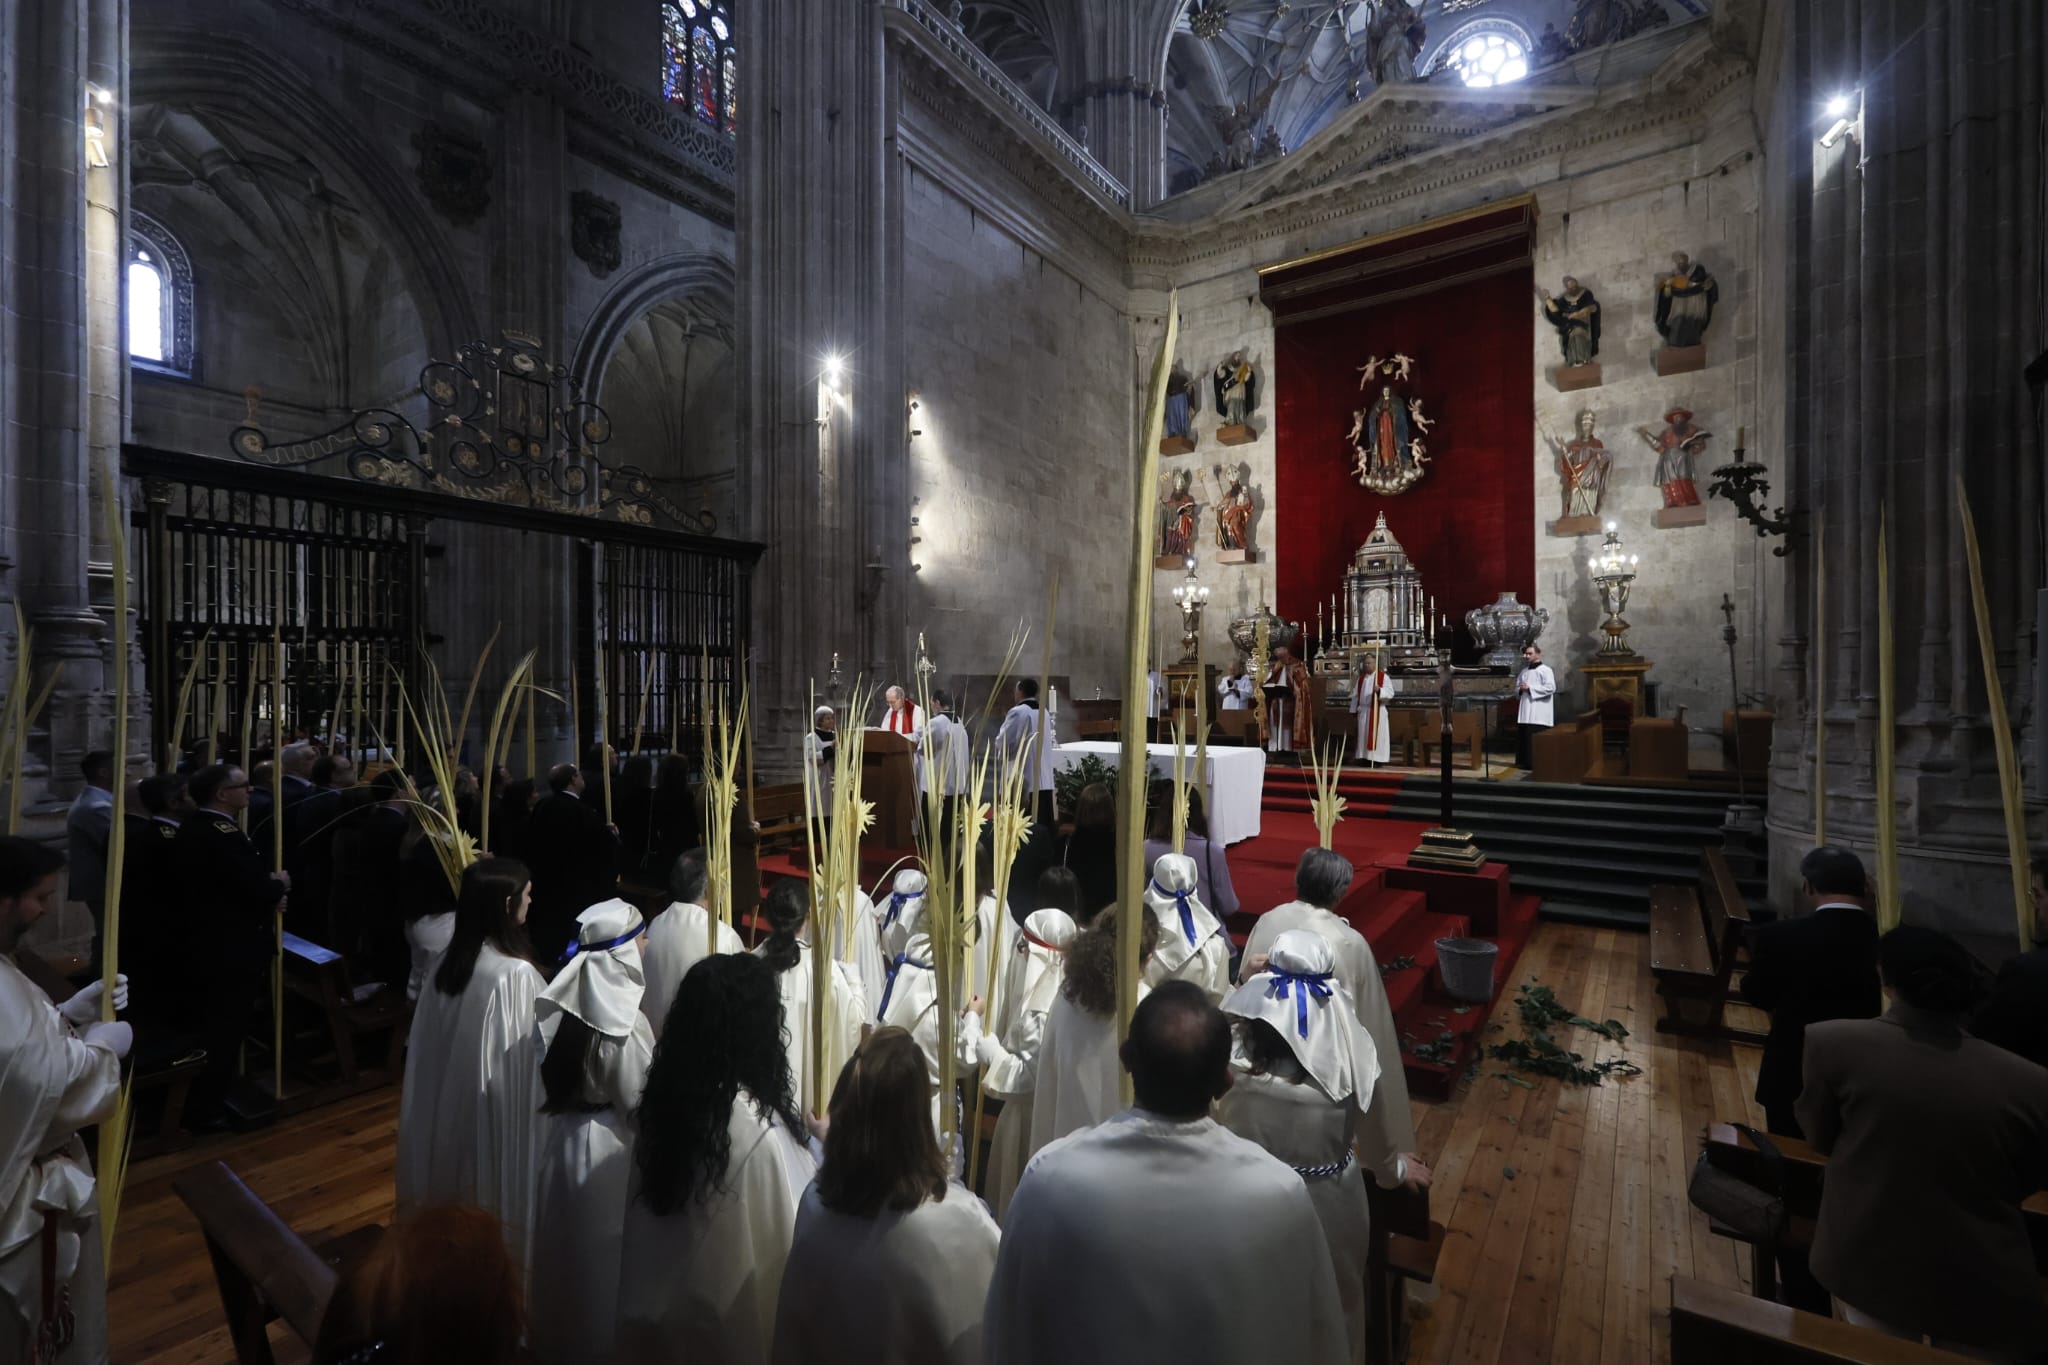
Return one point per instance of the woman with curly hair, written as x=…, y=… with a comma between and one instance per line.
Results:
x=719, y=1165
x=1080, y=1080
x=891, y=1261
x=469, y=1119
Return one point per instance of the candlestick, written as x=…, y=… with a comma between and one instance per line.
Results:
x=1739, y=432
x=835, y=660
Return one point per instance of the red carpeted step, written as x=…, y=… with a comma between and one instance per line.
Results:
x=1425, y=1010
x=1415, y=938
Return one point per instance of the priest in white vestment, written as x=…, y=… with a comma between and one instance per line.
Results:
x=891, y=1261
x=1192, y=945
x=679, y=937
x=719, y=1165
x=60, y=1071
x=788, y=953
x=469, y=1121
x=1160, y=1235
x=1369, y=693
x=1321, y=880
x=1008, y=1052
x=1302, y=1072
x=1080, y=1080
x=595, y=1046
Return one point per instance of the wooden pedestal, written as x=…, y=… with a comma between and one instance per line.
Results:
x=1615, y=678
x=1176, y=445
x=1668, y=517
x=1577, y=526
x=1237, y=556
x=888, y=782
x=1680, y=359
x=1569, y=377
x=1236, y=436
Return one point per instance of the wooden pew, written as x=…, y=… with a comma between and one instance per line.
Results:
x=1695, y=939
x=1404, y=1246
x=1569, y=752
x=1730, y=1150
x=1712, y=1325
x=321, y=976
x=265, y=1271
x=779, y=810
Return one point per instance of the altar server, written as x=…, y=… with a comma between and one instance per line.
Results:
x=1021, y=728
x=1369, y=693
x=1192, y=946
x=60, y=1071
x=787, y=951
x=719, y=1165
x=469, y=1119
x=1236, y=690
x=891, y=1261
x=1008, y=1051
x=596, y=1047
x=1321, y=880
x=1080, y=1082
x=680, y=937
x=1302, y=1072
x=1536, y=688
x=949, y=767
x=1160, y=1235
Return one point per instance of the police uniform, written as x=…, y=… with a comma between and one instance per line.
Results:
x=230, y=903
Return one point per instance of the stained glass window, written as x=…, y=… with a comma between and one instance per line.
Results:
x=699, y=66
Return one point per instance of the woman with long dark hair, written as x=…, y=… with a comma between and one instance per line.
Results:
x=1080, y=1080
x=719, y=1164
x=891, y=1261
x=1090, y=851
x=469, y=1120
x=597, y=1049
x=1212, y=861
x=787, y=951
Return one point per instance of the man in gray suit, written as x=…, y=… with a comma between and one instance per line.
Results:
x=1933, y=1140
x=89, y=826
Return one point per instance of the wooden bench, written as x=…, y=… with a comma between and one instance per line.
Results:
x=779, y=811
x=1804, y=1170
x=1712, y=1325
x=1567, y=753
x=1695, y=940
x=321, y=976
x=264, y=1270
x=1404, y=1245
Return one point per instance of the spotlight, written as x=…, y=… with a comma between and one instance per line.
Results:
x=832, y=369
x=1841, y=109
x=1838, y=106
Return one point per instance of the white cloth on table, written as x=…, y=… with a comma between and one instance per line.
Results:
x=1080, y=1079
x=901, y=1288
x=1008, y=1053
x=678, y=939
x=701, y=1283
x=1146, y=1239
x=469, y=1121
x=52, y=1083
x=1020, y=729
x=848, y=1010
x=1369, y=695
x=1234, y=782
x=1389, y=1128
x=1192, y=946
x=1536, y=706
x=427, y=937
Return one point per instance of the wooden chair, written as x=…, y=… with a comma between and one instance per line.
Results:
x=1567, y=753
x=1712, y=1325
x=1404, y=1246
x=1695, y=939
x=321, y=976
x=264, y=1270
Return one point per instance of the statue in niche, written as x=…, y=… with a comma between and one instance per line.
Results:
x=1235, y=396
x=1582, y=465
x=1595, y=23
x=1551, y=47
x=594, y=232
x=1181, y=395
x=454, y=171
x=1575, y=314
x=1177, y=510
x=1676, y=446
x=1393, y=40
x=1685, y=301
x=1233, y=512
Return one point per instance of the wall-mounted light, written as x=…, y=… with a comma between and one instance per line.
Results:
x=1844, y=111
x=834, y=366
x=916, y=539
x=97, y=156
x=915, y=429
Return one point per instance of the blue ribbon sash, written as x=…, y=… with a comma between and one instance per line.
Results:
x=1302, y=985
x=1187, y=914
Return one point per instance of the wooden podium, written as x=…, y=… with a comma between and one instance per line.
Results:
x=889, y=782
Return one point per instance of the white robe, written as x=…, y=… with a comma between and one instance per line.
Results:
x=1537, y=705
x=701, y=1284
x=1236, y=693
x=1294, y=1119
x=895, y=1289
x=1369, y=704
x=1389, y=1128
x=868, y=957
x=427, y=937
x=677, y=940
x=586, y=1168
x=469, y=1122
x=52, y=1083
x=1145, y=1239
x=1080, y=1080
x=912, y=1004
x=850, y=1009
x=1031, y=982
x=1020, y=727
x=1206, y=961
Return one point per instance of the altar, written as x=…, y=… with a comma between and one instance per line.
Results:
x=1236, y=780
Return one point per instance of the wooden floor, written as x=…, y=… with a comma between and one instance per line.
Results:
x=1566, y=1208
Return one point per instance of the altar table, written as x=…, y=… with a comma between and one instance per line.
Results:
x=1236, y=781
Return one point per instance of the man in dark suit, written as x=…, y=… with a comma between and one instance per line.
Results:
x=574, y=858
x=2016, y=1015
x=87, y=826
x=155, y=949
x=309, y=827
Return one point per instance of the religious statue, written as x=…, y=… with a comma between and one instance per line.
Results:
x=1595, y=23
x=1583, y=465
x=1551, y=47
x=1177, y=508
x=1233, y=513
x=1393, y=40
x=1180, y=402
x=1235, y=397
x=1685, y=301
x=1387, y=447
x=1676, y=446
x=1576, y=315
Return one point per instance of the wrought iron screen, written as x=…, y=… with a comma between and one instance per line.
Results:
x=669, y=621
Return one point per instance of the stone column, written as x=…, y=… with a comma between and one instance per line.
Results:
x=1117, y=96
x=1913, y=260
x=823, y=476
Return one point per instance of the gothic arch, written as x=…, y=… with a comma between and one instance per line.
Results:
x=706, y=280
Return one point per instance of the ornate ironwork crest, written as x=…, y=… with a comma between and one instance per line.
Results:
x=1389, y=449
x=506, y=425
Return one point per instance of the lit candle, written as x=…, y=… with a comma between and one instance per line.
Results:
x=835, y=661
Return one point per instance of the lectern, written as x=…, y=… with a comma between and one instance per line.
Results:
x=888, y=781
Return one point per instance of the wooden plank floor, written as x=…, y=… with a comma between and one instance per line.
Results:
x=1565, y=1207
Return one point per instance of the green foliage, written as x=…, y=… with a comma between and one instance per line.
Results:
x=1068, y=781
x=1541, y=1054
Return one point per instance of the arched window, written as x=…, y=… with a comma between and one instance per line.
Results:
x=159, y=280
x=1486, y=52
x=699, y=68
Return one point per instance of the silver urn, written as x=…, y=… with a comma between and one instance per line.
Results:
x=1504, y=626
x=1244, y=632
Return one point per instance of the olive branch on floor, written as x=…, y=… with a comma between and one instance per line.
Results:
x=1539, y=1053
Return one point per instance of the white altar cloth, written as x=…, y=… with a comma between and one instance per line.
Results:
x=1236, y=781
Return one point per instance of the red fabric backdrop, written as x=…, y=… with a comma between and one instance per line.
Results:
x=1468, y=526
